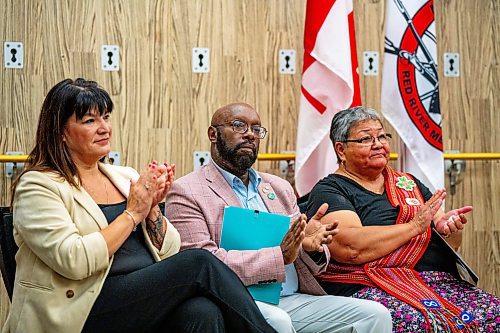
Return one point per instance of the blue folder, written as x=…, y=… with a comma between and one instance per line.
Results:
x=246, y=229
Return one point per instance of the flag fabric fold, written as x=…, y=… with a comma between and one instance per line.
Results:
x=410, y=91
x=330, y=83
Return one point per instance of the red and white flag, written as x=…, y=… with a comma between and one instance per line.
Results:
x=330, y=83
x=410, y=94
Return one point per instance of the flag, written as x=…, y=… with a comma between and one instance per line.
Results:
x=330, y=83
x=410, y=94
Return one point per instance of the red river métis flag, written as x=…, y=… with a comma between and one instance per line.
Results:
x=410, y=94
x=330, y=83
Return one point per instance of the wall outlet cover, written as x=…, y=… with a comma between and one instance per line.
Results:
x=287, y=61
x=370, y=63
x=201, y=60
x=201, y=158
x=110, y=58
x=114, y=157
x=451, y=64
x=13, y=55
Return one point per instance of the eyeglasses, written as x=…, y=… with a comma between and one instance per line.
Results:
x=370, y=140
x=242, y=127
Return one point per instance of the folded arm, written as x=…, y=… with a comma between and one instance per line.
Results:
x=356, y=244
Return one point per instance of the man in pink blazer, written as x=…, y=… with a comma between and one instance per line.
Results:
x=195, y=205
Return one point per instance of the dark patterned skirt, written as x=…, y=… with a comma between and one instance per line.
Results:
x=484, y=306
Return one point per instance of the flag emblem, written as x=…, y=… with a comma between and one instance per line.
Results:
x=417, y=74
x=410, y=90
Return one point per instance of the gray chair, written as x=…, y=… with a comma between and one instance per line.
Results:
x=8, y=250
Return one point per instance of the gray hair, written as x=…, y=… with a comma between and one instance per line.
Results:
x=345, y=120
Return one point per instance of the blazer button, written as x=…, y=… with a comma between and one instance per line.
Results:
x=70, y=293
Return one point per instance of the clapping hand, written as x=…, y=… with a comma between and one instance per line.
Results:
x=164, y=179
x=290, y=246
x=426, y=212
x=452, y=221
x=151, y=188
x=316, y=233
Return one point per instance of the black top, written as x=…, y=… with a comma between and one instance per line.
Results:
x=343, y=193
x=133, y=254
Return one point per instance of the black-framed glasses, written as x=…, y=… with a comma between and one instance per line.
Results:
x=242, y=127
x=370, y=140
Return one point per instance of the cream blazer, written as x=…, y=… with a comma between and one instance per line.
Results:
x=63, y=260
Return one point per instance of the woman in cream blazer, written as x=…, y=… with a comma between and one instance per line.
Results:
x=74, y=217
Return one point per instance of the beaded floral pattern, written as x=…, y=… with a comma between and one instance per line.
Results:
x=405, y=183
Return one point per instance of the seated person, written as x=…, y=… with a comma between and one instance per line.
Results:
x=81, y=264
x=195, y=205
x=385, y=250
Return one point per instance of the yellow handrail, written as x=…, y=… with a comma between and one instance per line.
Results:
x=287, y=157
x=13, y=158
x=394, y=156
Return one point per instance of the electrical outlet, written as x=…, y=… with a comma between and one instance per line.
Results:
x=370, y=63
x=114, y=158
x=283, y=168
x=201, y=60
x=12, y=168
x=201, y=158
x=110, y=58
x=287, y=167
x=451, y=64
x=13, y=55
x=287, y=61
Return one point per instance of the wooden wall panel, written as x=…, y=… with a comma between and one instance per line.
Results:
x=163, y=109
x=470, y=124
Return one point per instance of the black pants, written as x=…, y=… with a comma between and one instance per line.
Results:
x=192, y=291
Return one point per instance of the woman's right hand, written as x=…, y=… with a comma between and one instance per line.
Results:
x=423, y=218
x=142, y=191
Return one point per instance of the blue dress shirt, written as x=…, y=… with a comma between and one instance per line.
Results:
x=250, y=199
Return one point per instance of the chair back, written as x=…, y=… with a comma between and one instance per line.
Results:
x=8, y=250
x=302, y=203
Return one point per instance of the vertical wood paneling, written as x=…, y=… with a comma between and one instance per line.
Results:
x=163, y=109
x=471, y=122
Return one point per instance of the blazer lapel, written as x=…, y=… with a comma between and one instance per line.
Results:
x=121, y=183
x=268, y=195
x=85, y=200
x=219, y=185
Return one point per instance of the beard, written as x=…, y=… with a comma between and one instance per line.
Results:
x=240, y=160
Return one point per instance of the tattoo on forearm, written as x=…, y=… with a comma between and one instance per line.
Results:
x=155, y=229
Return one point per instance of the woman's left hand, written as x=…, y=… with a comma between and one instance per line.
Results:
x=163, y=181
x=453, y=221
